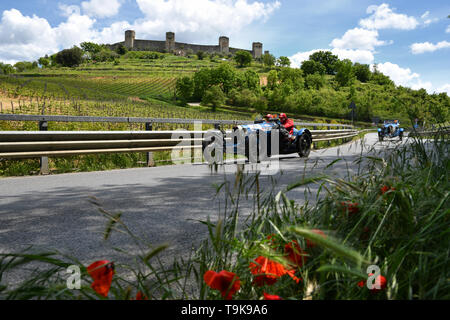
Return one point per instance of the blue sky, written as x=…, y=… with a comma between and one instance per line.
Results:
x=408, y=40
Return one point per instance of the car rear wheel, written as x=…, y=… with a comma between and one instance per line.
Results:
x=304, y=146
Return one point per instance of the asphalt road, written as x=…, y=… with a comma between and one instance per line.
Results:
x=160, y=204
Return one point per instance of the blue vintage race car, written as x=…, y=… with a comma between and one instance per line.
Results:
x=390, y=129
x=259, y=134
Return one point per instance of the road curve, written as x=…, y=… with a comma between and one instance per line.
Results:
x=160, y=204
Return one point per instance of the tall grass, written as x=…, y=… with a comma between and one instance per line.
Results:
x=398, y=220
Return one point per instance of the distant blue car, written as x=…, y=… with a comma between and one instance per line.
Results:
x=390, y=129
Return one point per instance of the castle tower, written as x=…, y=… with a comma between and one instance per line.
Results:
x=170, y=41
x=224, y=45
x=257, y=50
x=129, y=39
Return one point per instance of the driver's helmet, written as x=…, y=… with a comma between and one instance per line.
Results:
x=268, y=117
x=283, y=117
x=395, y=121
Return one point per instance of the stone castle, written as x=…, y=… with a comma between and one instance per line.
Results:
x=170, y=45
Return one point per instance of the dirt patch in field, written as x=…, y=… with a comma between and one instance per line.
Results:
x=6, y=103
x=135, y=99
x=263, y=81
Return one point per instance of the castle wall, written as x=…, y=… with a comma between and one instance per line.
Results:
x=149, y=45
x=170, y=45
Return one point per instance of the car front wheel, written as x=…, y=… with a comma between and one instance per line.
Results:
x=304, y=146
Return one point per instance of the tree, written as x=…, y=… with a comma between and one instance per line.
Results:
x=70, y=57
x=284, y=62
x=293, y=76
x=345, y=75
x=25, y=65
x=268, y=60
x=44, y=61
x=223, y=76
x=311, y=67
x=251, y=80
x=214, y=97
x=202, y=81
x=362, y=72
x=90, y=47
x=6, y=68
x=243, y=58
x=327, y=59
x=184, y=89
x=272, y=79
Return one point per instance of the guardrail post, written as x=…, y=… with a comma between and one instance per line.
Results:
x=315, y=144
x=150, y=161
x=329, y=142
x=43, y=126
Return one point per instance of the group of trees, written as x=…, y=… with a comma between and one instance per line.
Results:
x=322, y=86
x=213, y=85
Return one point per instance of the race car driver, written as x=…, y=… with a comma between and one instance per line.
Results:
x=287, y=123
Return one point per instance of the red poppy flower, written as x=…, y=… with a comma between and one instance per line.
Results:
x=271, y=297
x=226, y=282
x=268, y=272
x=141, y=296
x=295, y=254
x=379, y=281
x=102, y=272
x=309, y=243
x=350, y=207
x=385, y=189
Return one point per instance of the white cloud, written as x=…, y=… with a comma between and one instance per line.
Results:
x=24, y=37
x=361, y=56
x=101, y=8
x=358, y=38
x=404, y=76
x=418, y=48
x=205, y=18
x=448, y=29
x=384, y=17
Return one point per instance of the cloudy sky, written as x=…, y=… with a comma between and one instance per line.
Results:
x=408, y=40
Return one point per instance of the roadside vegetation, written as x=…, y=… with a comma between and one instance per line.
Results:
x=393, y=214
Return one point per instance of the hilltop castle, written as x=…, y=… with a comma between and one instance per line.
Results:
x=181, y=48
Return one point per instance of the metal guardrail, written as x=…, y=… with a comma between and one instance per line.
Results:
x=43, y=144
x=34, y=144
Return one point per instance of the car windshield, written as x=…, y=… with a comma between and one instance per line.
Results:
x=390, y=122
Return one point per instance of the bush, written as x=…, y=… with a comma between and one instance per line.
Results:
x=315, y=81
x=200, y=55
x=121, y=50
